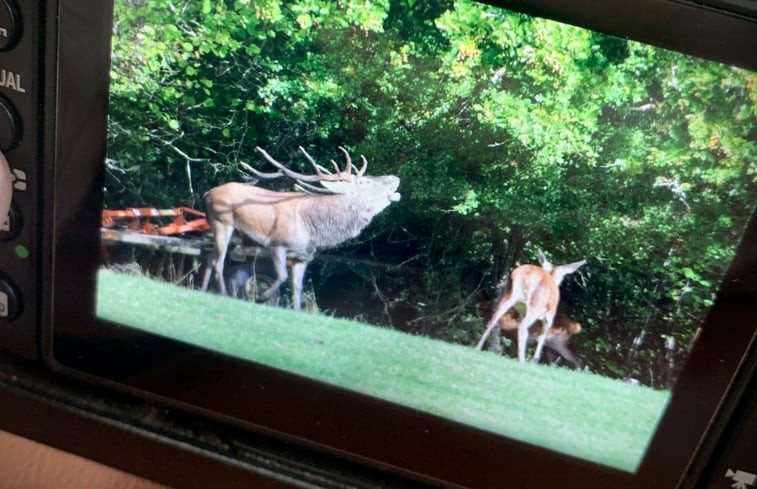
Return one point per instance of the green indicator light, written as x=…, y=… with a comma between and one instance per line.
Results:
x=22, y=251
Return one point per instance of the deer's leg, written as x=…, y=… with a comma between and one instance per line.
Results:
x=236, y=280
x=504, y=305
x=209, y=266
x=298, y=273
x=279, y=257
x=546, y=325
x=560, y=346
x=496, y=341
x=222, y=236
x=526, y=323
x=551, y=356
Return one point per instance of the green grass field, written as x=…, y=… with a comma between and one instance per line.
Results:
x=576, y=413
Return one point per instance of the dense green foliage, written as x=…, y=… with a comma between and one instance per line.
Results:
x=509, y=134
x=610, y=423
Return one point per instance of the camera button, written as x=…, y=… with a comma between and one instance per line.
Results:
x=10, y=125
x=10, y=303
x=10, y=226
x=10, y=24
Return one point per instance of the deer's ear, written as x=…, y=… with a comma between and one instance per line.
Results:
x=572, y=267
x=561, y=271
x=545, y=264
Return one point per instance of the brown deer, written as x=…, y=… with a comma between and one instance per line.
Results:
x=557, y=338
x=537, y=287
x=296, y=224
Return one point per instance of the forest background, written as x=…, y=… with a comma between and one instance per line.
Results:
x=509, y=133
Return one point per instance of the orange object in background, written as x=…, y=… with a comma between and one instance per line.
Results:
x=140, y=219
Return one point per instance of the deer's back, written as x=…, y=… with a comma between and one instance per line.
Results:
x=537, y=285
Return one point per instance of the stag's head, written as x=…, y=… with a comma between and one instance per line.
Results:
x=353, y=180
x=378, y=191
x=373, y=193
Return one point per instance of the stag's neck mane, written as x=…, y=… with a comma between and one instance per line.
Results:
x=334, y=219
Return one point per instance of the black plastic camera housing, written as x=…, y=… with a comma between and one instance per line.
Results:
x=140, y=403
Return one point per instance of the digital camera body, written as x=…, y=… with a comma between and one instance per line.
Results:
x=189, y=415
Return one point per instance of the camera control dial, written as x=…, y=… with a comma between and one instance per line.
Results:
x=10, y=304
x=9, y=125
x=10, y=24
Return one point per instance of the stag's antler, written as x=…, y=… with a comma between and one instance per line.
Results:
x=350, y=166
x=259, y=174
x=348, y=161
x=364, y=167
x=322, y=175
x=317, y=166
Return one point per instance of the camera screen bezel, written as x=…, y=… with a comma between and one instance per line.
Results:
x=320, y=416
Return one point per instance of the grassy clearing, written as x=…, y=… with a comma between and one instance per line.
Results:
x=576, y=413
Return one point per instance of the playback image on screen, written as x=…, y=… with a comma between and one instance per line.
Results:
x=506, y=221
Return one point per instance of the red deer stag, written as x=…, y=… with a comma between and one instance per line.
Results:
x=296, y=224
x=537, y=287
x=557, y=338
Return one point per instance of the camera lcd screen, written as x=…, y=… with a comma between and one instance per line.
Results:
x=395, y=162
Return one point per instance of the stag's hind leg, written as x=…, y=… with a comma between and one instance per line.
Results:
x=209, y=266
x=221, y=236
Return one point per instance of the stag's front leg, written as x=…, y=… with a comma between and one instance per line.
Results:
x=298, y=274
x=279, y=257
